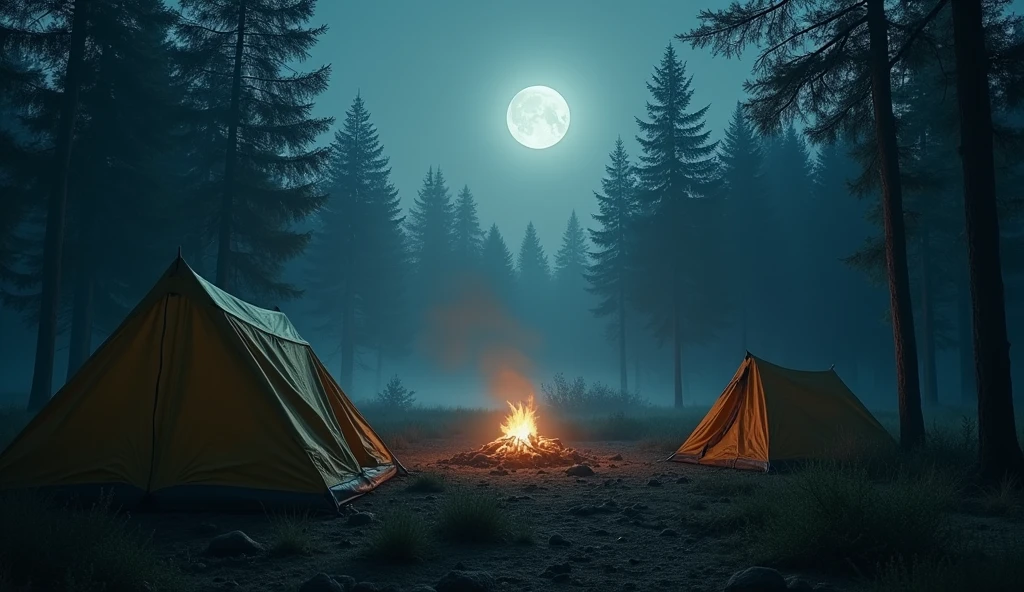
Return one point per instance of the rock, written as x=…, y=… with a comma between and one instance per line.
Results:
x=347, y=582
x=633, y=561
x=499, y=472
x=465, y=581
x=756, y=579
x=600, y=532
x=620, y=540
x=683, y=480
x=360, y=519
x=798, y=584
x=542, y=472
x=561, y=578
x=824, y=587
x=668, y=532
x=558, y=569
x=558, y=540
x=606, y=568
x=346, y=544
x=616, y=457
x=430, y=498
x=579, y=471
x=232, y=544
x=653, y=483
x=322, y=582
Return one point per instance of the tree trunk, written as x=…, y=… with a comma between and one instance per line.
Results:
x=677, y=353
x=930, y=381
x=998, y=448
x=908, y=386
x=81, y=317
x=623, y=364
x=231, y=160
x=965, y=342
x=46, y=337
x=636, y=369
x=348, y=346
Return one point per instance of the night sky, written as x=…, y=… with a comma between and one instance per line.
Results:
x=437, y=78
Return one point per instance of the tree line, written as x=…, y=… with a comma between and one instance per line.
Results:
x=129, y=126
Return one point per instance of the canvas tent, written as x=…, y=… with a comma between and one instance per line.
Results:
x=201, y=399
x=769, y=414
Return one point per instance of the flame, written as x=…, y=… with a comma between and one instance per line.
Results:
x=521, y=424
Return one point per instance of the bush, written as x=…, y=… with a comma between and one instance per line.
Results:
x=575, y=397
x=426, y=483
x=469, y=517
x=832, y=515
x=402, y=538
x=395, y=396
x=291, y=534
x=77, y=550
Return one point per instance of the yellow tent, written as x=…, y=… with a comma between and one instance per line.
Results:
x=200, y=399
x=770, y=414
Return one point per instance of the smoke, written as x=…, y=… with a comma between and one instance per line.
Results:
x=474, y=330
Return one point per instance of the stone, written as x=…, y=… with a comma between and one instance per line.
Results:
x=561, y=578
x=798, y=584
x=322, y=582
x=615, y=457
x=824, y=587
x=579, y=471
x=360, y=519
x=558, y=540
x=668, y=532
x=653, y=483
x=499, y=472
x=683, y=480
x=756, y=579
x=465, y=581
x=233, y=544
x=557, y=569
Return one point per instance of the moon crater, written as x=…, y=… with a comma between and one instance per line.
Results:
x=538, y=117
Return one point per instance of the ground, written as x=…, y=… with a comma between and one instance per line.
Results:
x=887, y=522
x=632, y=546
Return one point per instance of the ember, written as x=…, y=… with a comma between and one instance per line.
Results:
x=520, y=447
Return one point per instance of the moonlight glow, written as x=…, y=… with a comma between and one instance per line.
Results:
x=538, y=117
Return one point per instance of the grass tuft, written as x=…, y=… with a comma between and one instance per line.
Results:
x=830, y=515
x=291, y=534
x=426, y=483
x=470, y=517
x=999, y=572
x=46, y=547
x=402, y=538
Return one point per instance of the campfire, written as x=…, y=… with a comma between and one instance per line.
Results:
x=520, y=446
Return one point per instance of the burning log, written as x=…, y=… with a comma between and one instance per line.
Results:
x=520, y=448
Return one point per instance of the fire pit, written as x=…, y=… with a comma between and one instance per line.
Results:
x=520, y=447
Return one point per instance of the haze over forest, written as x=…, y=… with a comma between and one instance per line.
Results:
x=477, y=259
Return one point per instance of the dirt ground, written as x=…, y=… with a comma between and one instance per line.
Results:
x=622, y=550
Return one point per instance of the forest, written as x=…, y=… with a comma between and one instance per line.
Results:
x=132, y=131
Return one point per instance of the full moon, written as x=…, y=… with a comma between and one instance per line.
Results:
x=538, y=117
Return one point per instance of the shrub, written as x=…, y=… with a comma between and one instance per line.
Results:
x=426, y=483
x=832, y=515
x=77, y=550
x=402, y=538
x=575, y=397
x=395, y=396
x=470, y=517
x=291, y=534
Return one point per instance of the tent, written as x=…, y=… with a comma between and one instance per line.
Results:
x=769, y=414
x=200, y=399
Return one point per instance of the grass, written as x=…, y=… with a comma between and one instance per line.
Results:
x=426, y=483
x=830, y=515
x=402, y=538
x=292, y=535
x=77, y=550
x=471, y=517
x=999, y=572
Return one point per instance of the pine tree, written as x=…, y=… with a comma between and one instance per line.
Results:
x=749, y=209
x=497, y=266
x=51, y=35
x=467, y=236
x=831, y=63
x=609, y=272
x=675, y=176
x=999, y=449
x=532, y=266
x=571, y=258
x=358, y=254
x=253, y=133
x=430, y=229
